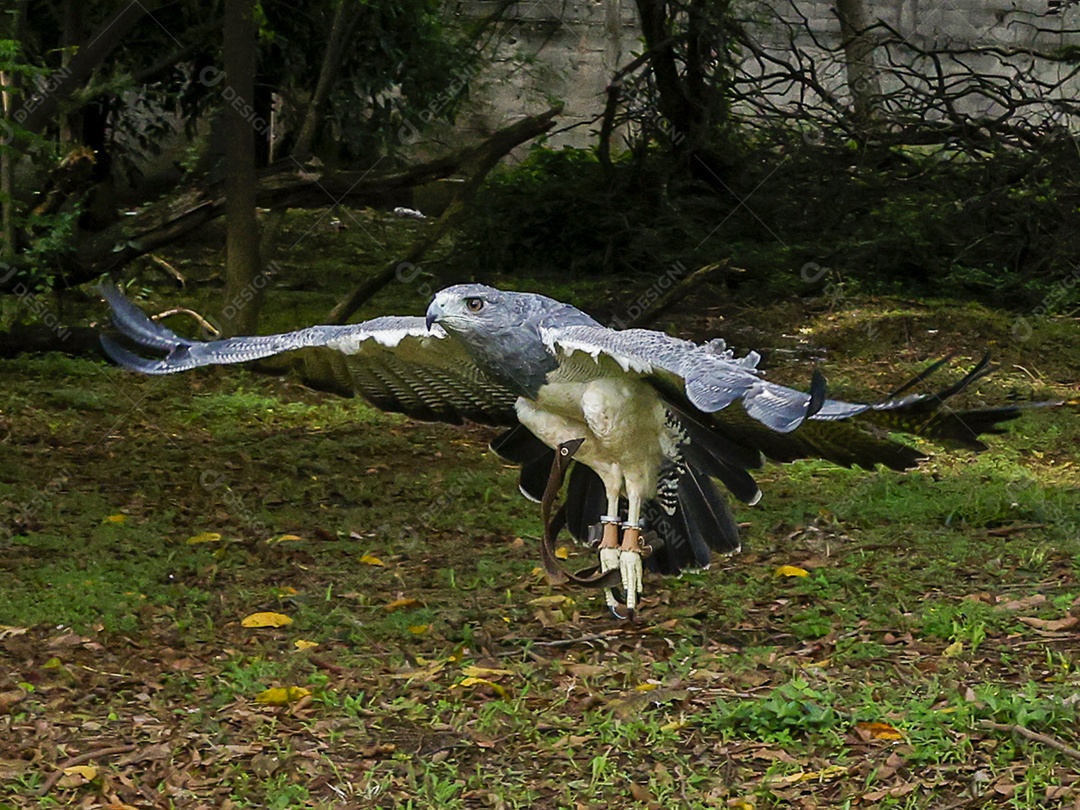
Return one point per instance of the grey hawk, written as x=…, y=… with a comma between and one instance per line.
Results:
x=662, y=419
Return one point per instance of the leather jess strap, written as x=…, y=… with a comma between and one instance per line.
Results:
x=557, y=573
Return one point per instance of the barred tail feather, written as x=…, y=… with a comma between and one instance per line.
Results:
x=702, y=523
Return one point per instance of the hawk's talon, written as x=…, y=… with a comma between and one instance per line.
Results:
x=631, y=572
x=610, y=561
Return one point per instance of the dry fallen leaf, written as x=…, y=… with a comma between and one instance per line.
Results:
x=1025, y=603
x=13, y=768
x=895, y=792
x=398, y=604
x=790, y=571
x=879, y=731
x=9, y=699
x=87, y=772
x=469, y=682
x=266, y=619
x=281, y=695
x=424, y=673
x=641, y=793
x=1050, y=625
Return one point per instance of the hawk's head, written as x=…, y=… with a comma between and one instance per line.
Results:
x=476, y=308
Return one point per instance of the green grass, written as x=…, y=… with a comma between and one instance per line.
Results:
x=738, y=686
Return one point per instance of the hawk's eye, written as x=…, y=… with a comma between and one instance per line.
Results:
x=474, y=304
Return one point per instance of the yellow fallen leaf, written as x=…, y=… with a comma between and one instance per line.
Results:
x=419, y=629
x=484, y=672
x=646, y=687
x=367, y=559
x=825, y=774
x=398, y=604
x=790, y=571
x=880, y=731
x=551, y=601
x=204, y=537
x=562, y=552
x=467, y=682
x=953, y=649
x=302, y=644
x=87, y=772
x=674, y=725
x=52, y=663
x=266, y=619
x=117, y=518
x=285, y=538
x=281, y=695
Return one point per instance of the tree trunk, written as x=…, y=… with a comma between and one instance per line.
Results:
x=862, y=77
x=344, y=21
x=685, y=99
x=345, y=18
x=243, y=292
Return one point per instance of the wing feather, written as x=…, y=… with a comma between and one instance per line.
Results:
x=783, y=423
x=396, y=363
x=708, y=378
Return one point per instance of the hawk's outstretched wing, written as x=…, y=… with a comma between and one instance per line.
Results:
x=395, y=363
x=783, y=423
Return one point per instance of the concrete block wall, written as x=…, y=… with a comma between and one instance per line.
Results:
x=569, y=49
